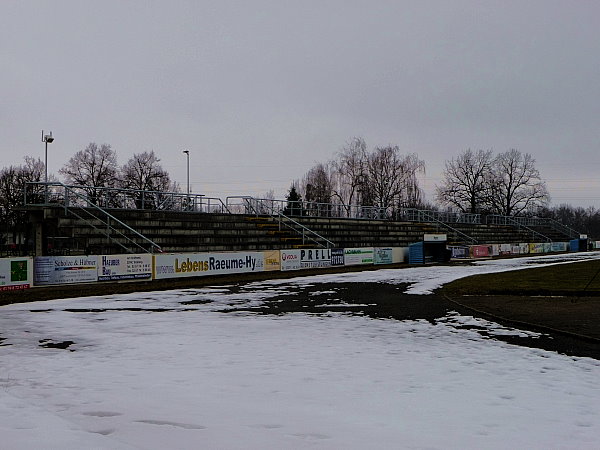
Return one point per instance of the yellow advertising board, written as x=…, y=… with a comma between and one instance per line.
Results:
x=272, y=260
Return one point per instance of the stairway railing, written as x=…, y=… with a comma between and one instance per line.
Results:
x=59, y=194
x=265, y=207
x=526, y=224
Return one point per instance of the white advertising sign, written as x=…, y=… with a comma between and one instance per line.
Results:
x=355, y=256
x=383, y=255
x=65, y=269
x=435, y=238
x=16, y=273
x=312, y=258
x=125, y=267
x=179, y=265
x=305, y=259
x=290, y=260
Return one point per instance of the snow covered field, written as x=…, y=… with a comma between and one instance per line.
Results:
x=183, y=369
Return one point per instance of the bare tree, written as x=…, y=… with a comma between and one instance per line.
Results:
x=93, y=167
x=516, y=186
x=349, y=171
x=317, y=184
x=13, y=180
x=466, y=181
x=143, y=172
x=392, y=178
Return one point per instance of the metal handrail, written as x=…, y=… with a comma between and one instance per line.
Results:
x=519, y=222
x=452, y=229
x=121, y=198
x=68, y=207
x=304, y=229
x=561, y=228
x=257, y=207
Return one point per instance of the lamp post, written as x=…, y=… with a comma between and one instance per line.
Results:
x=48, y=139
x=187, y=153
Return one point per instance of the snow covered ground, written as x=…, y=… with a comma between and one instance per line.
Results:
x=184, y=370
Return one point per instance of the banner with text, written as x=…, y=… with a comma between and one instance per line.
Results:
x=383, y=255
x=64, y=269
x=305, y=259
x=480, y=251
x=537, y=247
x=16, y=273
x=272, y=260
x=290, y=260
x=125, y=267
x=179, y=265
x=356, y=256
x=337, y=257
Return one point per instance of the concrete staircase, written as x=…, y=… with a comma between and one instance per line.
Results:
x=198, y=232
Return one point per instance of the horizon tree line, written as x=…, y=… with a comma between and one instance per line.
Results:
x=93, y=168
x=474, y=181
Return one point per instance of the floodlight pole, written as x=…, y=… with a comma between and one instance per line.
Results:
x=47, y=139
x=187, y=153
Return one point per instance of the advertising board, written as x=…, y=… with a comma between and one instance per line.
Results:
x=383, y=255
x=505, y=249
x=356, y=256
x=124, y=267
x=180, y=265
x=64, y=269
x=305, y=259
x=313, y=258
x=459, y=252
x=480, y=251
x=435, y=238
x=523, y=249
x=290, y=260
x=536, y=248
x=272, y=260
x=16, y=273
x=337, y=256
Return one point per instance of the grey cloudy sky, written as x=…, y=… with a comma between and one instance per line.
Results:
x=259, y=91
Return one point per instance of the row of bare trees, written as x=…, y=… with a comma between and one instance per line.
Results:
x=94, y=168
x=473, y=182
x=383, y=177
x=506, y=184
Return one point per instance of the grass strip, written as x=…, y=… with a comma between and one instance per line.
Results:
x=574, y=279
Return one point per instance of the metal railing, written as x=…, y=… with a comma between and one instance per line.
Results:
x=307, y=234
x=457, y=233
x=250, y=205
x=80, y=206
x=521, y=223
x=557, y=226
x=45, y=194
x=48, y=194
x=254, y=206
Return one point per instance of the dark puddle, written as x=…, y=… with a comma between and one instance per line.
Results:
x=64, y=345
x=102, y=310
x=196, y=302
x=385, y=301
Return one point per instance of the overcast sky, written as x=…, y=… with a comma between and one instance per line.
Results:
x=259, y=91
